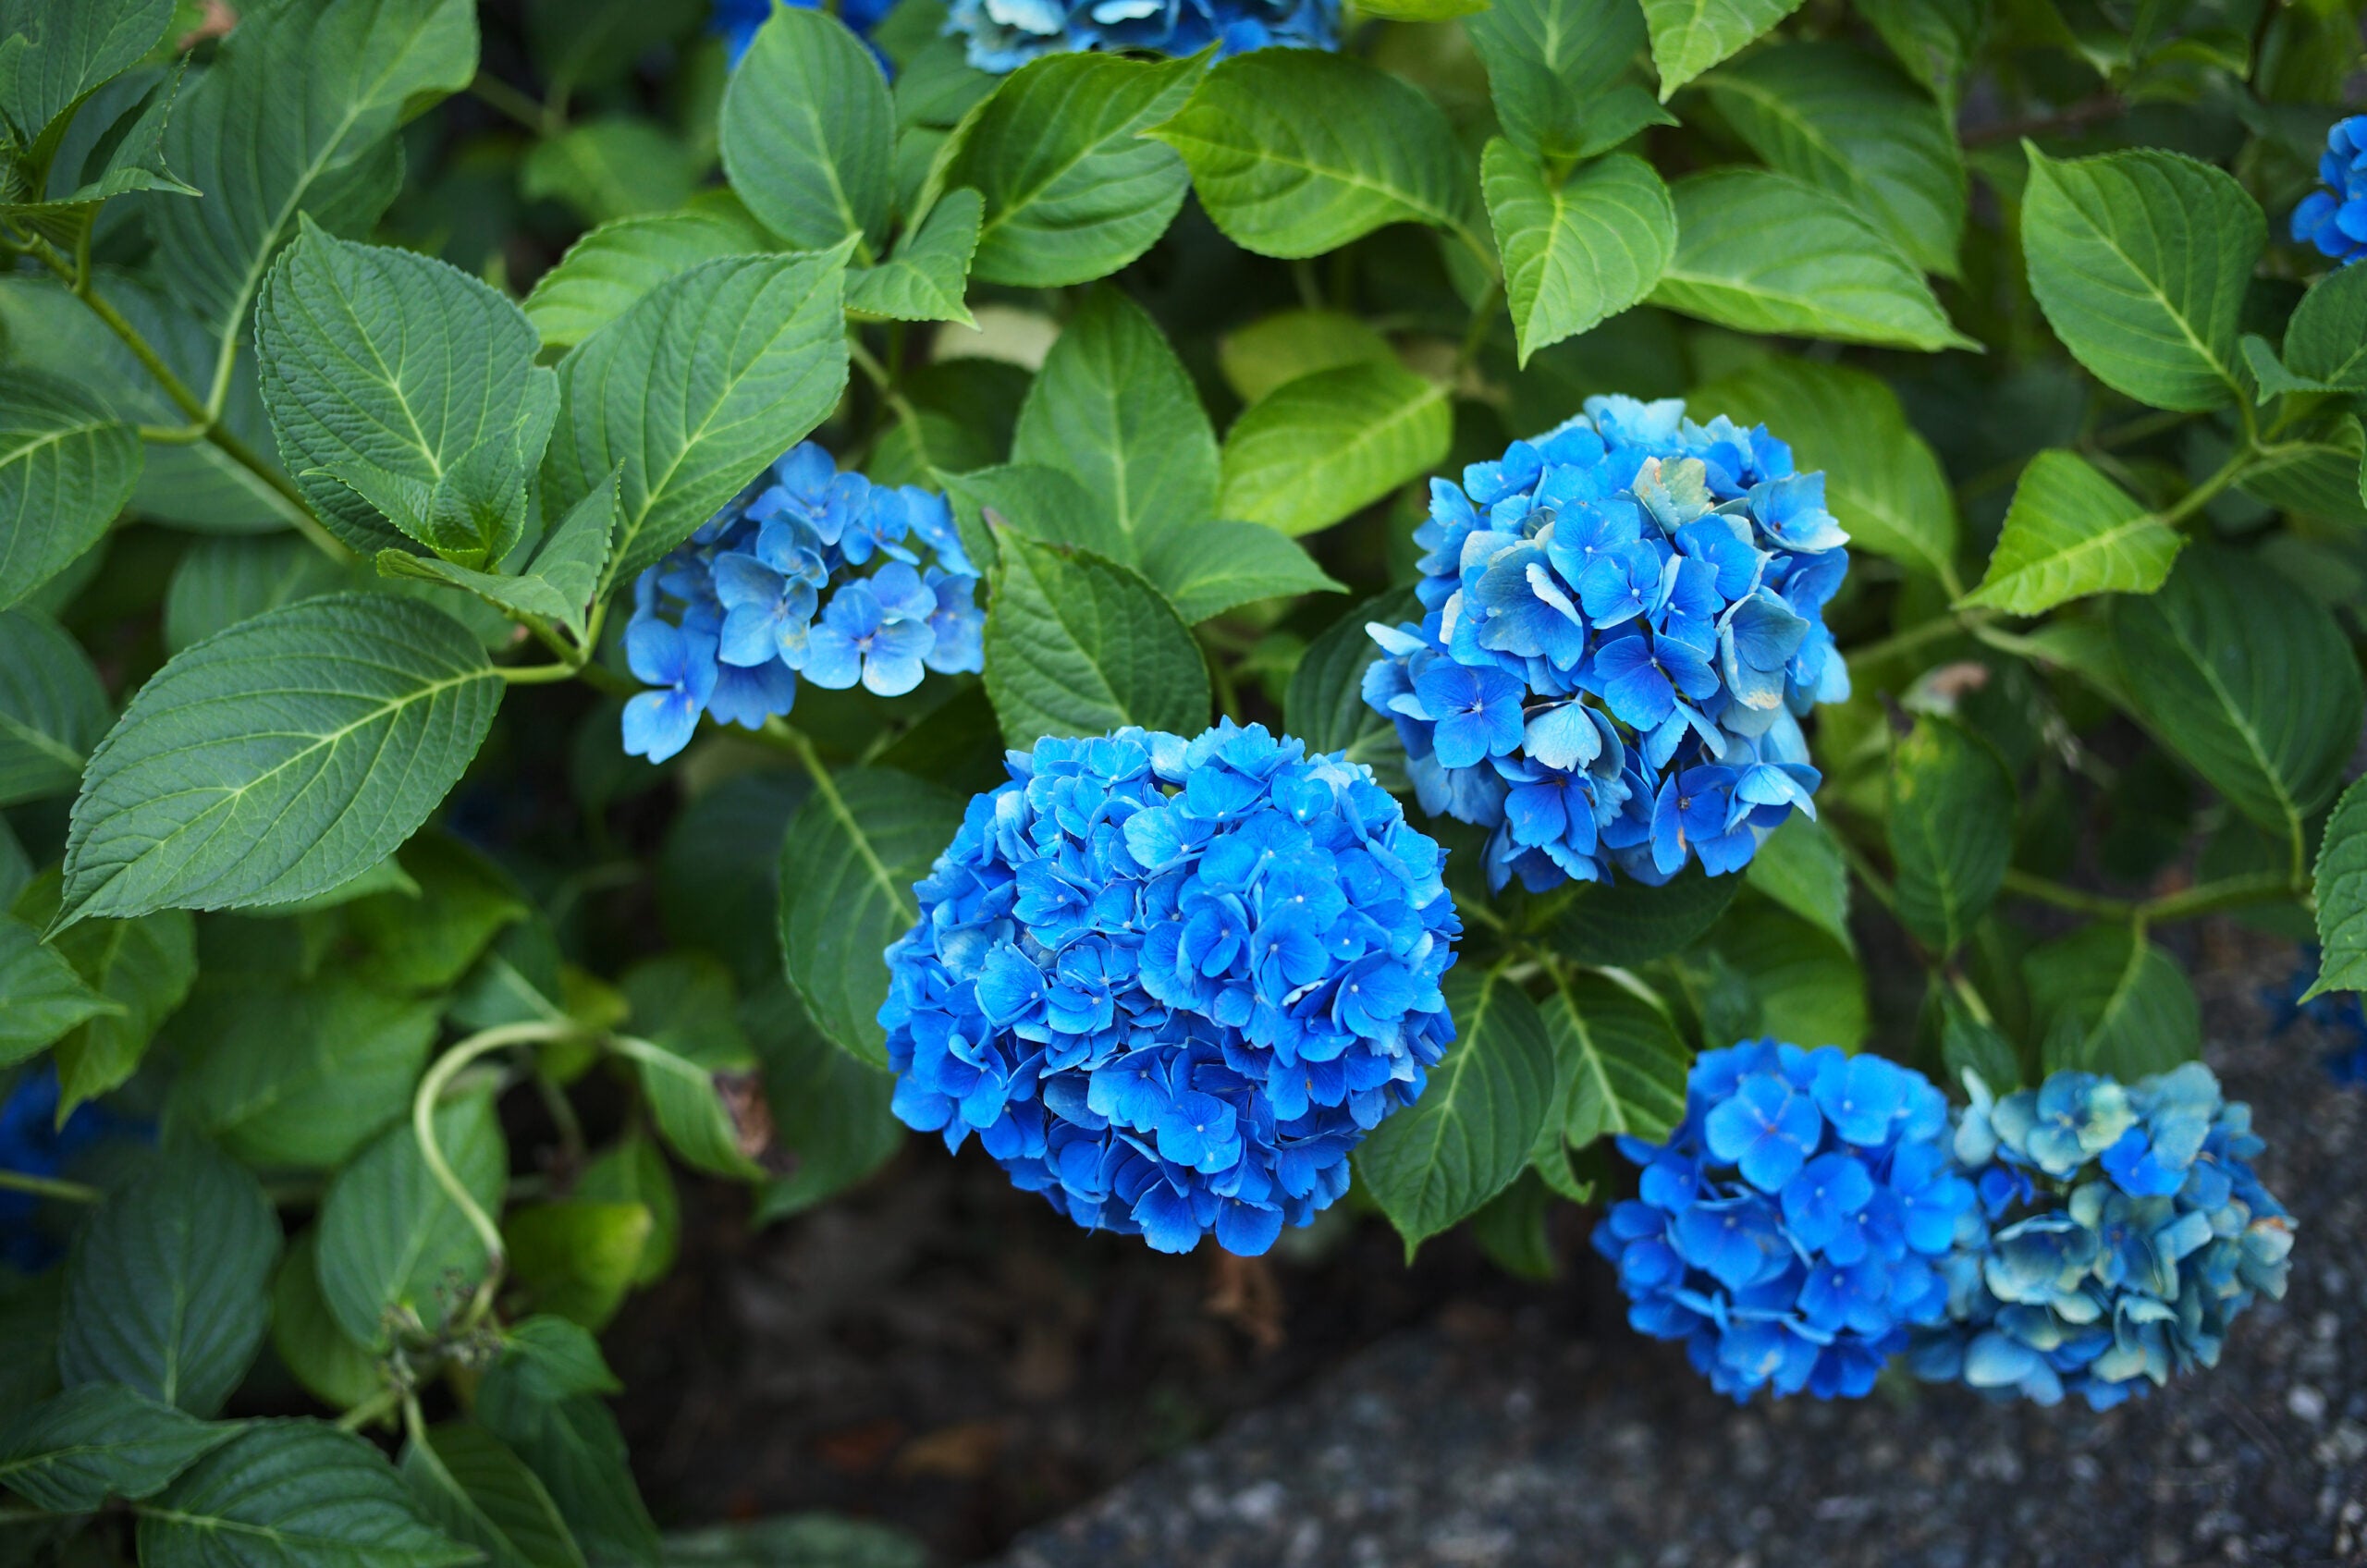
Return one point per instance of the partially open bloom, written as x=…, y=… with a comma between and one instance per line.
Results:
x=1171, y=984
x=808, y=574
x=2334, y=217
x=1005, y=35
x=2121, y=1231
x=1790, y=1228
x=1624, y=624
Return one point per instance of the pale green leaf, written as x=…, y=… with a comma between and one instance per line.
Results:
x=929, y=274
x=1326, y=446
x=809, y=134
x=1576, y=253
x=1215, y=567
x=1799, y=866
x=1281, y=347
x=1689, y=36
x=576, y=1257
x=1761, y=252
x=2069, y=533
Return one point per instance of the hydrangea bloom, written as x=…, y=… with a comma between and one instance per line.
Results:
x=736, y=21
x=1624, y=623
x=811, y=574
x=2334, y=219
x=2338, y=1014
x=2121, y=1231
x=1791, y=1226
x=1171, y=984
x=1005, y=35
x=32, y=1143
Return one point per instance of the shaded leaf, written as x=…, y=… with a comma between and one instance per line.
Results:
x=808, y=133
x=1079, y=645
x=53, y=709
x=2340, y=879
x=1951, y=829
x=1626, y=1062
x=391, y=1241
x=471, y=1485
x=1215, y=567
x=70, y=1454
x=67, y=467
x=2107, y=1001
x=292, y=1494
x=1326, y=446
x=616, y=265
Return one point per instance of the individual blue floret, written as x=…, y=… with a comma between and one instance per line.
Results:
x=1171, y=984
x=808, y=574
x=2333, y=219
x=736, y=21
x=32, y=1143
x=1623, y=625
x=2121, y=1231
x=2338, y=1014
x=1003, y=35
x=1790, y=1229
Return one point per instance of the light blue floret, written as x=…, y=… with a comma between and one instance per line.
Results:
x=1003, y=35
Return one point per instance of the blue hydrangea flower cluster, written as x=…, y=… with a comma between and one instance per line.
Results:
x=1791, y=1228
x=1171, y=984
x=736, y=21
x=1005, y=35
x=1624, y=623
x=2334, y=219
x=2339, y=1014
x=731, y=621
x=2121, y=1230
x=32, y=1143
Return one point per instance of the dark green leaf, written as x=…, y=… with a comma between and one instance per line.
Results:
x=1808, y=988
x=391, y=1241
x=2341, y=883
x=1625, y=1060
x=1433, y=1164
x=1933, y=39
x=143, y=967
x=303, y=1077
x=2315, y=476
x=73, y=1453
x=2140, y=259
x=557, y=585
x=166, y=1289
x=1326, y=446
x=1966, y=1045
x=1624, y=922
x=808, y=133
x=829, y=1110
x=617, y=167
x=846, y=870
x=572, y=1444
x=1046, y=505
x=41, y=996
x=279, y=759
x=807, y=1540
x=53, y=709
x=1579, y=250
x=1951, y=829
x=602, y=275
x=292, y=1494
x=688, y=1052
x=329, y=1364
x=1080, y=645
x=2071, y=533
x=223, y=582
x=1215, y=567
x=1074, y=187
x=1510, y=1229
x=2327, y=339
x=550, y=1358
x=469, y=1483
x=67, y=467
x=1551, y=66
x=2107, y=1001
x=63, y=50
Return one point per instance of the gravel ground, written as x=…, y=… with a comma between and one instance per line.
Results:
x=1533, y=1435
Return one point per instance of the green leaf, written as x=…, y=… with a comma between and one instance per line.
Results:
x=329, y=1364
x=1432, y=1164
x=1847, y=123
x=689, y=429
x=688, y=1049
x=1551, y=66
x=424, y=937
x=2327, y=339
x=1075, y=188
x=928, y=276
x=1951, y=829
x=1969, y=1045
x=2250, y=682
x=72, y=1452
x=292, y=1494
x=165, y=1290
x=1324, y=704
x=1763, y=253
x=1809, y=987
x=1281, y=347
x=53, y=709
x=223, y=582
x=617, y=167
x=1625, y=1062
x=1799, y=866
x=1689, y=36
x=388, y=373
x=301, y=1077
x=41, y=996
x=1046, y=505
x=830, y=1111
x=606, y=271
x=557, y=585
x=1215, y=567
x=1296, y=152
x=365, y=65
x=279, y=758
x=1327, y=445
x=549, y=1358
x=2269, y=371
x=633, y=1171
x=1113, y=409
x=141, y=967
x=2140, y=259
x=576, y=1257
x=572, y=1444
x=59, y=52
x=1576, y=253
x=1510, y=1227
x=2340, y=878
x=29, y=1326
x=1933, y=39
x=1624, y=922
x=391, y=1241
x=2107, y=1001
x=848, y=865
x=117, y=152
x=1883, y=480
x=1080, y=645
x=2315, y=476
x=67, y=467
x=2071, y=533
x=807, y=1540
x=809, y=135
x=472, y=1487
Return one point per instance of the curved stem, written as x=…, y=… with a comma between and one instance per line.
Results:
x=423, y=1125
x=377, y=1405
x=536, y=674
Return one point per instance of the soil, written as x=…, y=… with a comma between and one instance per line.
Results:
x=941, y=1352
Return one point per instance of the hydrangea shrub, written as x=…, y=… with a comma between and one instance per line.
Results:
x=514, y=558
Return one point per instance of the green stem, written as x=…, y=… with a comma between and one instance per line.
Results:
x=50, y=1187
x=422, y=1124
x=1483, y=319
x=2204, y=898
x=497, y=94
x=898, y=404
x=1938, y=629
x=1970, y=994
x=2043, y=890
x=379, y=1405
x=535, y=674
x=2202, y=495
x=1873, y=879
